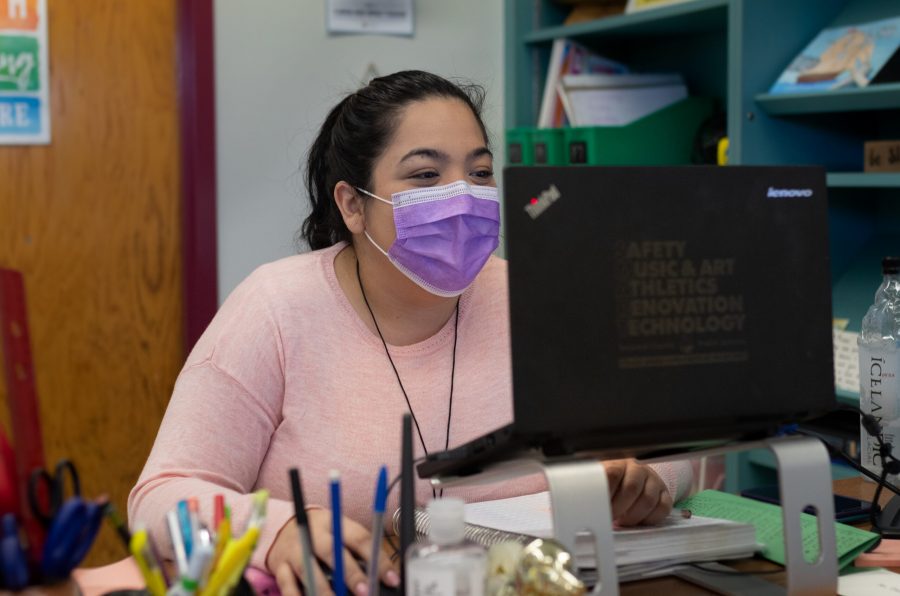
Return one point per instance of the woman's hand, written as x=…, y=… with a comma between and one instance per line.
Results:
x=637, y=493
x=285, y=560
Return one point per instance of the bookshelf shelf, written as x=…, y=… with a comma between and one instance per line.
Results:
x=765, y=459
x=851, y=398
x=688, y=17
x=863, y=180
x=875, y=97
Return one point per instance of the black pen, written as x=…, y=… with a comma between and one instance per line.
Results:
x=305, y=538
x=119, y=524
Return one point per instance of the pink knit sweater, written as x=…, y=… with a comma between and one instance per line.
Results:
x=287, y=374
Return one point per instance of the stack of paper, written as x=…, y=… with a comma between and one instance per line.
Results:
x=641, y=551
x=569, y=57
x=617, y=99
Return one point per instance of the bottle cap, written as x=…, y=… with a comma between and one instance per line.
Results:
x=890, y=265
x=447, y=521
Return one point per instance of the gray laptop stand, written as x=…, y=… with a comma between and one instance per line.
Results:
x=579, y=497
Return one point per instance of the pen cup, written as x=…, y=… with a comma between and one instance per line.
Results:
x=63, y=588
x=242, y=588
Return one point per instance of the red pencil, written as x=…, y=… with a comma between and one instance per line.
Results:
x=218, y=511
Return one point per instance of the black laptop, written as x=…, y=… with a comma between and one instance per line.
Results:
x=660, y=308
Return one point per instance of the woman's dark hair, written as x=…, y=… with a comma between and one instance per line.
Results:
x=356, y=132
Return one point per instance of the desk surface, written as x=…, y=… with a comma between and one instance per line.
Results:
x=672, y=586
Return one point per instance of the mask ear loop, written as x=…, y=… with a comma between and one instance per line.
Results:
x=365, y=231
x=365, y=192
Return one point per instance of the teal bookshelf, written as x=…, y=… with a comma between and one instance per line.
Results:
x=732, y=51
x=875, y=97
x=864, y=180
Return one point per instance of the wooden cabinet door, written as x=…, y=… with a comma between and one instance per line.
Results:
x=93, y=222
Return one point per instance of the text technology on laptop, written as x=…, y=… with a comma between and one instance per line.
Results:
x=661, y=307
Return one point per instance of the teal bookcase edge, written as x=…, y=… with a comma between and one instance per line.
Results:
x=873, y=97
x=686, y=17
x=864, y=180
x=757, y=468
x=850, y=398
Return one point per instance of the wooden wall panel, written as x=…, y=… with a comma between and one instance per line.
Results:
x=93, y=222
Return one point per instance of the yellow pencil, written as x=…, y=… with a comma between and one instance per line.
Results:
x=234, y=559
x=223, y=537
x=147, y=563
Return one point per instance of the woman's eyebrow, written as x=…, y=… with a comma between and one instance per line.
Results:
x=476, y=153
x=425, y=152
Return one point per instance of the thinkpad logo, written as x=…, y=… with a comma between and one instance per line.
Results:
x=788, y=193
x=540, y=203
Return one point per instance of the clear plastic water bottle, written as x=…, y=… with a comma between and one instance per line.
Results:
x=879, y=366
x=446, y=564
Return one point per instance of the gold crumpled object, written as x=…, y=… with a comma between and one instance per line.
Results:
x=503, y=560
x=547, y=569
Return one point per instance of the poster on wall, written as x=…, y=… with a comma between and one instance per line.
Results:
x=24, y=73
x=375, y=17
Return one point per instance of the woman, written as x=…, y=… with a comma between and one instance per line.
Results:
x=400, y=307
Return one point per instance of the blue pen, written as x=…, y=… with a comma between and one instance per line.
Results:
x=12, y=555
x=337, y=576
x=184, y=519
x=377, y=529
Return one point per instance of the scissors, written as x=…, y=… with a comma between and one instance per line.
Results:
x=13, y=563
x=74, y=528
x=47, y=492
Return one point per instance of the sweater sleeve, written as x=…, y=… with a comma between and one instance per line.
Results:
x=216, y=431
x=677, y=475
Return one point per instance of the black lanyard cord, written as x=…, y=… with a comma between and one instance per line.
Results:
x=397, y=374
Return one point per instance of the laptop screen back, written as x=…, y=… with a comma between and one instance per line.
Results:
x=676, y=302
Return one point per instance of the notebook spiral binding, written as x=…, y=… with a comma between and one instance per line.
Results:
x=478, y=534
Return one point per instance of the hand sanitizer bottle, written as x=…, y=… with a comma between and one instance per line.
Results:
x=446, y=564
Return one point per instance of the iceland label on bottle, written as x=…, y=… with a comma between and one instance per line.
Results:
x=879, y=395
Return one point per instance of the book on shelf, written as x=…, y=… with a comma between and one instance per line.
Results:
x=845, y=56
x=639, y=5
x=569, y=57
x=642, y=551
x=617, y=99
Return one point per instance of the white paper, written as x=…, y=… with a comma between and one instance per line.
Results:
x=528, y=514
x=24, y=73
x=846, y=360
x=376, y=17
x=616, y=100
x=878, y=582
x=675, y=540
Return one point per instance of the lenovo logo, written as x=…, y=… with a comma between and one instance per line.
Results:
x=788, y=193
x=540, y=203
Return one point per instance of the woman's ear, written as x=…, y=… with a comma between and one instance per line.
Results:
x=350, y=204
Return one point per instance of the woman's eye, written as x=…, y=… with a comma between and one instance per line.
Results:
x=484, y=174
x=424, y=175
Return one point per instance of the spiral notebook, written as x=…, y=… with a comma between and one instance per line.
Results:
x=642, y=551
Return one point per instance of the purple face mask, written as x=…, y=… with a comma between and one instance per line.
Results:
x=445, y=234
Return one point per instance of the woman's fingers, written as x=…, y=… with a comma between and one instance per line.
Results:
x=359, y=541
x=638, y=494
x=615, y=471
x=286, y=580
x=356, y=540
x=662, y=509
x=630, y=489
x=321, y=582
